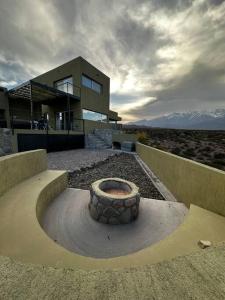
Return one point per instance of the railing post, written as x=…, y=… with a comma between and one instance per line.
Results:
x=68, y=111
x=31, y=106
x=12, y=121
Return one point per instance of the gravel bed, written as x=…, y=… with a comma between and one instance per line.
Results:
x=121, y=165
x=73, y=160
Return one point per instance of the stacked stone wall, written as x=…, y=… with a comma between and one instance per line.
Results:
x=5, y=141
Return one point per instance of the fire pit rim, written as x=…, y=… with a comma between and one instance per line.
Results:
x=96, y=187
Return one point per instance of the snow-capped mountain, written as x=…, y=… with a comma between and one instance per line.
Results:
x=188, y=120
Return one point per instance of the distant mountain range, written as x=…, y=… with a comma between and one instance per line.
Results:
x=187, y=120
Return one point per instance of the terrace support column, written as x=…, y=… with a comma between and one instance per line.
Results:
x=68, y=110
x=31, y=107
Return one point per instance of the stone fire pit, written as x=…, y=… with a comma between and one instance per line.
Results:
x=114, y=201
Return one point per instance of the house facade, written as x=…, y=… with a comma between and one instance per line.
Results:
x=64, y=97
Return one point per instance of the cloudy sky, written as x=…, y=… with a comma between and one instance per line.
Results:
x=162, y=56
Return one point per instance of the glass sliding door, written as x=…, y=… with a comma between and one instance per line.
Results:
x=63, y=122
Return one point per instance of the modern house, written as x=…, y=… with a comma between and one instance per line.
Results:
x=72, y=98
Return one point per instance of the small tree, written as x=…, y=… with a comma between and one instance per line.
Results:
x=142, y=138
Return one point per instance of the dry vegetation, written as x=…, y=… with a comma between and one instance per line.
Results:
x=204, y=146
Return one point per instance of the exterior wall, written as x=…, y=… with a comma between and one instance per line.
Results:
x=89, y=126
x=5, y=141
x=124, y=137
x=14, y=137
x=20, y=109
x=189, y=181
x=4, y=104
x=60, y=107
x=71, y=68
x=90, y=99
x=113, y=115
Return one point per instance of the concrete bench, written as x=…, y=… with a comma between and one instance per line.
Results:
x=22, y=238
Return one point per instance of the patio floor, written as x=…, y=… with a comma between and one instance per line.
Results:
x=67, y=222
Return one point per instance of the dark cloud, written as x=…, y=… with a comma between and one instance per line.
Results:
x=12, y=72
x=201, y=87
x=216, y=2
x=172, y=4
x=170, y=50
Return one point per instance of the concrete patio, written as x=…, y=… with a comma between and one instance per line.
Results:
x=68, y=223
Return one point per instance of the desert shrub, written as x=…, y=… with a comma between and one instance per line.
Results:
x=142, y=137
x=219, y=162
x=219, y=155
x=201, y=160
x=176, y=151
x=189, y=152
x=206, y=154
x=207, y=148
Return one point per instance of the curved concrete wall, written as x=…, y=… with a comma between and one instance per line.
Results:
x=49, y=192
x=189, y=181
x=17, y=167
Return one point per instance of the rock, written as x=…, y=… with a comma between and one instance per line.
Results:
x=125, y=217
x=118, y=203
x=2, y=153
x=110, y=212
x=130, y=202
x=100, y=208
x=105, y=201
x=94, y=200
x=124, y=165
x=204, y=244
x=121, y=209
x=113, y=221
x=134, y=211
x=6, y=131
x=93, y=211
x=103, y=220
x=7, y=149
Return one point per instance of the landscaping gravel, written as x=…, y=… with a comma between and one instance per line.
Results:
x=73, y=160
x=121, y=165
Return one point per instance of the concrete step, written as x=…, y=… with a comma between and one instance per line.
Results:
x=94, y=141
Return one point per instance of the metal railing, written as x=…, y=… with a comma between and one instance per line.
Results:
x=68, y=88
x=20, y=119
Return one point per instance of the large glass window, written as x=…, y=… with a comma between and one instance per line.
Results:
x=91, y=84
x=94, y=116
x=86, y=81
x=65, y=85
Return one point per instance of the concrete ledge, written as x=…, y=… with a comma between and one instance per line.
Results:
x=189, y=181
x=22, y=238
x=22, y=206
x=17, y=167
x=196, y=276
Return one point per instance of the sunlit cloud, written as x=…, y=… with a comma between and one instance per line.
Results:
x=161, y=55
x=124, y=109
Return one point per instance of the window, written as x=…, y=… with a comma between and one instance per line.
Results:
x=65, y=85
x=86, y=82
x=91, y=84
x=94, y=116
